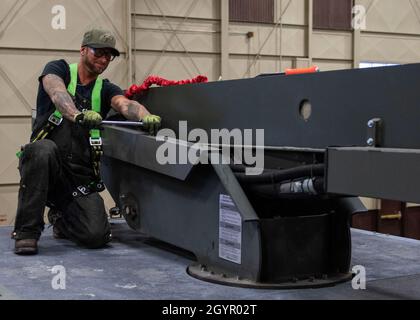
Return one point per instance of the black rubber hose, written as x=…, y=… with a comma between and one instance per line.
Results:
x=315, y=170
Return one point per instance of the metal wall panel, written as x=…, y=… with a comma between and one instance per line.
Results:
x=14, y=132
x=392, y=32
x=176, y=66
x=294, y=12
x=390, y=48
x=392, y=16
x=193, y=35
x=17, y=76
x=29, y=25
x=291, y=40
x=201, y=9
x=19, y=71
x=8, y=201
x=261, y=11
x=204, y=36
x=332, y=45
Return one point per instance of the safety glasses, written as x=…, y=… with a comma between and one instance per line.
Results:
x=99, y=52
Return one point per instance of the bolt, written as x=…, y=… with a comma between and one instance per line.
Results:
x=371, y=124
x=370, y=142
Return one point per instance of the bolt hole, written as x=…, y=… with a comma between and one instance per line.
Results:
x=305, y=110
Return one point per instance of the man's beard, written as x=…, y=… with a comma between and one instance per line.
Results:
x=93, y=68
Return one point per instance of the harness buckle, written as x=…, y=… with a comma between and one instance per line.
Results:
x=99, y=186
x=55, y=120
x=83, y=190
x=95, y=141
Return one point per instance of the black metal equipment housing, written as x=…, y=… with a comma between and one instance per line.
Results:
x=329, y=138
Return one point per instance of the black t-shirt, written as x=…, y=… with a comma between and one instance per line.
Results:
x=71, y=139
x=61, y=69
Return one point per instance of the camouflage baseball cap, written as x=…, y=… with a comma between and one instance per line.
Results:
x=98, y=38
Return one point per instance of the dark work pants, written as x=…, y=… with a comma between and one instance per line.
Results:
x=43, y=180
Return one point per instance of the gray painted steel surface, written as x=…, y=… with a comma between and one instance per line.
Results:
x=392, y=174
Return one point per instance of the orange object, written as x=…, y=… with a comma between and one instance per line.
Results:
x=290, y=72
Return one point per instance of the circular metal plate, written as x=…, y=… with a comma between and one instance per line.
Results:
x=201, y=273
x=130, y=210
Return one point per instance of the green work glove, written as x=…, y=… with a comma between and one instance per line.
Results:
x=88, y=119
x=151, y=123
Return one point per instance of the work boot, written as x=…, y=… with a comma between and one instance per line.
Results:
x=57, y=234
x=53, y=216
x=26, y=246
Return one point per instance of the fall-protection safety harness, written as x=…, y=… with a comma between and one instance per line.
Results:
x=95, y=140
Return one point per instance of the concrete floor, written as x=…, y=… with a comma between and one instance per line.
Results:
x=134, y=267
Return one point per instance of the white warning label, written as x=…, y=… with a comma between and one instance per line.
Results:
x=230, y=230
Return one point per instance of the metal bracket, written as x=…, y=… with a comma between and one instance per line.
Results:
x=115, y=213
x=56, y=121
x=95, y=141
x=129, y=208
x=374, y=132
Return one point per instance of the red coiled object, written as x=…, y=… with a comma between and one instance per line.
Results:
x=151, y=80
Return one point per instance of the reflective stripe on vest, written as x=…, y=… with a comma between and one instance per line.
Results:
x=95, y=100
x=96, y=95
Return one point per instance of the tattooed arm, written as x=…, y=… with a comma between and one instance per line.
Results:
x=130, y=109
x=57, y=91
